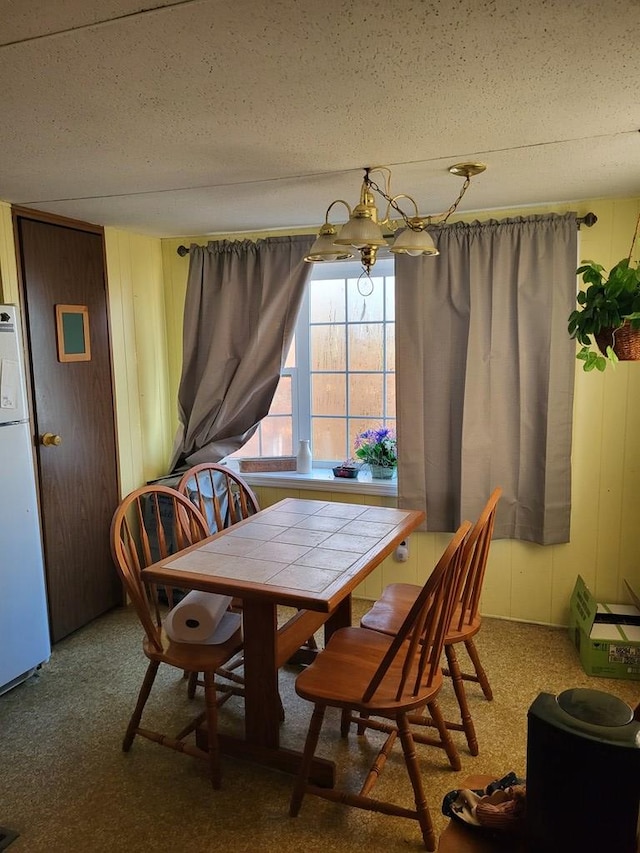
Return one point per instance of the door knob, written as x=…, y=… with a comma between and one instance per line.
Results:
x=50, y=440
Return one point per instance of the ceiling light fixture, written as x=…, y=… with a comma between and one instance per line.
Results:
x=363, y=230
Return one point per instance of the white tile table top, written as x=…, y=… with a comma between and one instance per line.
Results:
x=301, y=551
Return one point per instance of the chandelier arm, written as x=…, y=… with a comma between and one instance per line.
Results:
x=337, y=201
x=410, y=222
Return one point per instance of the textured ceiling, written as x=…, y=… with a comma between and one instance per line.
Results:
x=202, y=116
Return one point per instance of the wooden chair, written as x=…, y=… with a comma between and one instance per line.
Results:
x=178, y=524
x=388, y=612
x=221, y=495
x=370, y=676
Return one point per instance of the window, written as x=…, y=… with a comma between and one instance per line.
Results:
x=339, y=376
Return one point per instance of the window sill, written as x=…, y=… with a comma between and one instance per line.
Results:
x=322, y=480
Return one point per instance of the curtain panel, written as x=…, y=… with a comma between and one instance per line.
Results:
x=485, y=373
x=240, y=311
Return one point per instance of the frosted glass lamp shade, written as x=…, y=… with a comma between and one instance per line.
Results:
x=410, y=242
x=324, y=249
x=360, y=232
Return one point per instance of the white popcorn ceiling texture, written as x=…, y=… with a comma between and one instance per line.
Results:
x=202, y=116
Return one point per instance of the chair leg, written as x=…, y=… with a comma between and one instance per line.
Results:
x=143, y=695
x=461, y=696
x=411, y=761
x=212, y=727
x=446, y=742
x=193, y=683
x=345, y=722
x=472, y=651
x=307, y=757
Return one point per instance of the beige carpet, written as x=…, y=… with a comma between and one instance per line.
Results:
x=65, y=784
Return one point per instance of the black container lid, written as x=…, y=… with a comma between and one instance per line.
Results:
x=595, y=707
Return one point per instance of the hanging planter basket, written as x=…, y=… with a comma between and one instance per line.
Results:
x=624, y=341
x=608, y=312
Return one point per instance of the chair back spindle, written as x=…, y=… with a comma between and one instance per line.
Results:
x=221, y=495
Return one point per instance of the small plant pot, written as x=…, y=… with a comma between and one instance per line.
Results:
x=345, y=472
x=381, y=472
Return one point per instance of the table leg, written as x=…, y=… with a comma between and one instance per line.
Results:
x=339, y=618
x=262, y=700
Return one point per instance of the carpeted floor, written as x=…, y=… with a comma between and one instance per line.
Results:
x=65, y=784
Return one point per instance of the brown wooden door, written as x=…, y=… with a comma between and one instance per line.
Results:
x=77, y=478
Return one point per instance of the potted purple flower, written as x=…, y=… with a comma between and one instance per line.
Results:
x=377, y=448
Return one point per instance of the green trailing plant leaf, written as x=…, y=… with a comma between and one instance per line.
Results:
x=606, y=302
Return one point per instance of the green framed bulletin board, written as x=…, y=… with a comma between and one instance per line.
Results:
x=72, y=333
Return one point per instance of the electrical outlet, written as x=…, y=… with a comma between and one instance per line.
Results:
x=401, y=553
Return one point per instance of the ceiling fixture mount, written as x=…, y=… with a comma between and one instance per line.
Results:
x=363, y=229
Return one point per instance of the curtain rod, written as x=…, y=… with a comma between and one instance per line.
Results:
x=588, y=219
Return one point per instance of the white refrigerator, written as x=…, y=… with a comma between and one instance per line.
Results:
x=24, y=626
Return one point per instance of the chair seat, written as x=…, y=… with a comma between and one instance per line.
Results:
x=341, y=674
x=388, y=612
x=194, y=657
x=469, y=628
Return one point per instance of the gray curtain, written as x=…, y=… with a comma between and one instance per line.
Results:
x=485, y=373
x=240, y=311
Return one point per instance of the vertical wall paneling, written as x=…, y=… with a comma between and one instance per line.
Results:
x=496, y=597
x=175, y=270
x=136, y=293
x=531, y=583
x=8, y=264
x=123, y=343
x=152, y=354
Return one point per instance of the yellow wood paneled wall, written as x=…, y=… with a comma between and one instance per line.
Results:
x=8, y=268
x=526, y=581
x=139, y=344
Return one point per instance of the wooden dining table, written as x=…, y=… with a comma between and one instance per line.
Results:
x=306, y=554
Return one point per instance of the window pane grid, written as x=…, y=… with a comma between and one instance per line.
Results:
x=369, y=335
x=343, y=381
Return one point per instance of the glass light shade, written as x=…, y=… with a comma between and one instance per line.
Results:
x=410, y=242
x=324, y=249
x=360, y=232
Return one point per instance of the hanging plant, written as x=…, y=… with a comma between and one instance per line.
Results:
x=609, y=313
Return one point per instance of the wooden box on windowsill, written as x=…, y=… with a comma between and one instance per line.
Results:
x=267, y=463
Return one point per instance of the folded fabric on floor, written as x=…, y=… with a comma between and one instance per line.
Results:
x=499, y=808
x=202, y=617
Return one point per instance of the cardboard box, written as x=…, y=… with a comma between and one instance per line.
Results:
x=607, y=636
